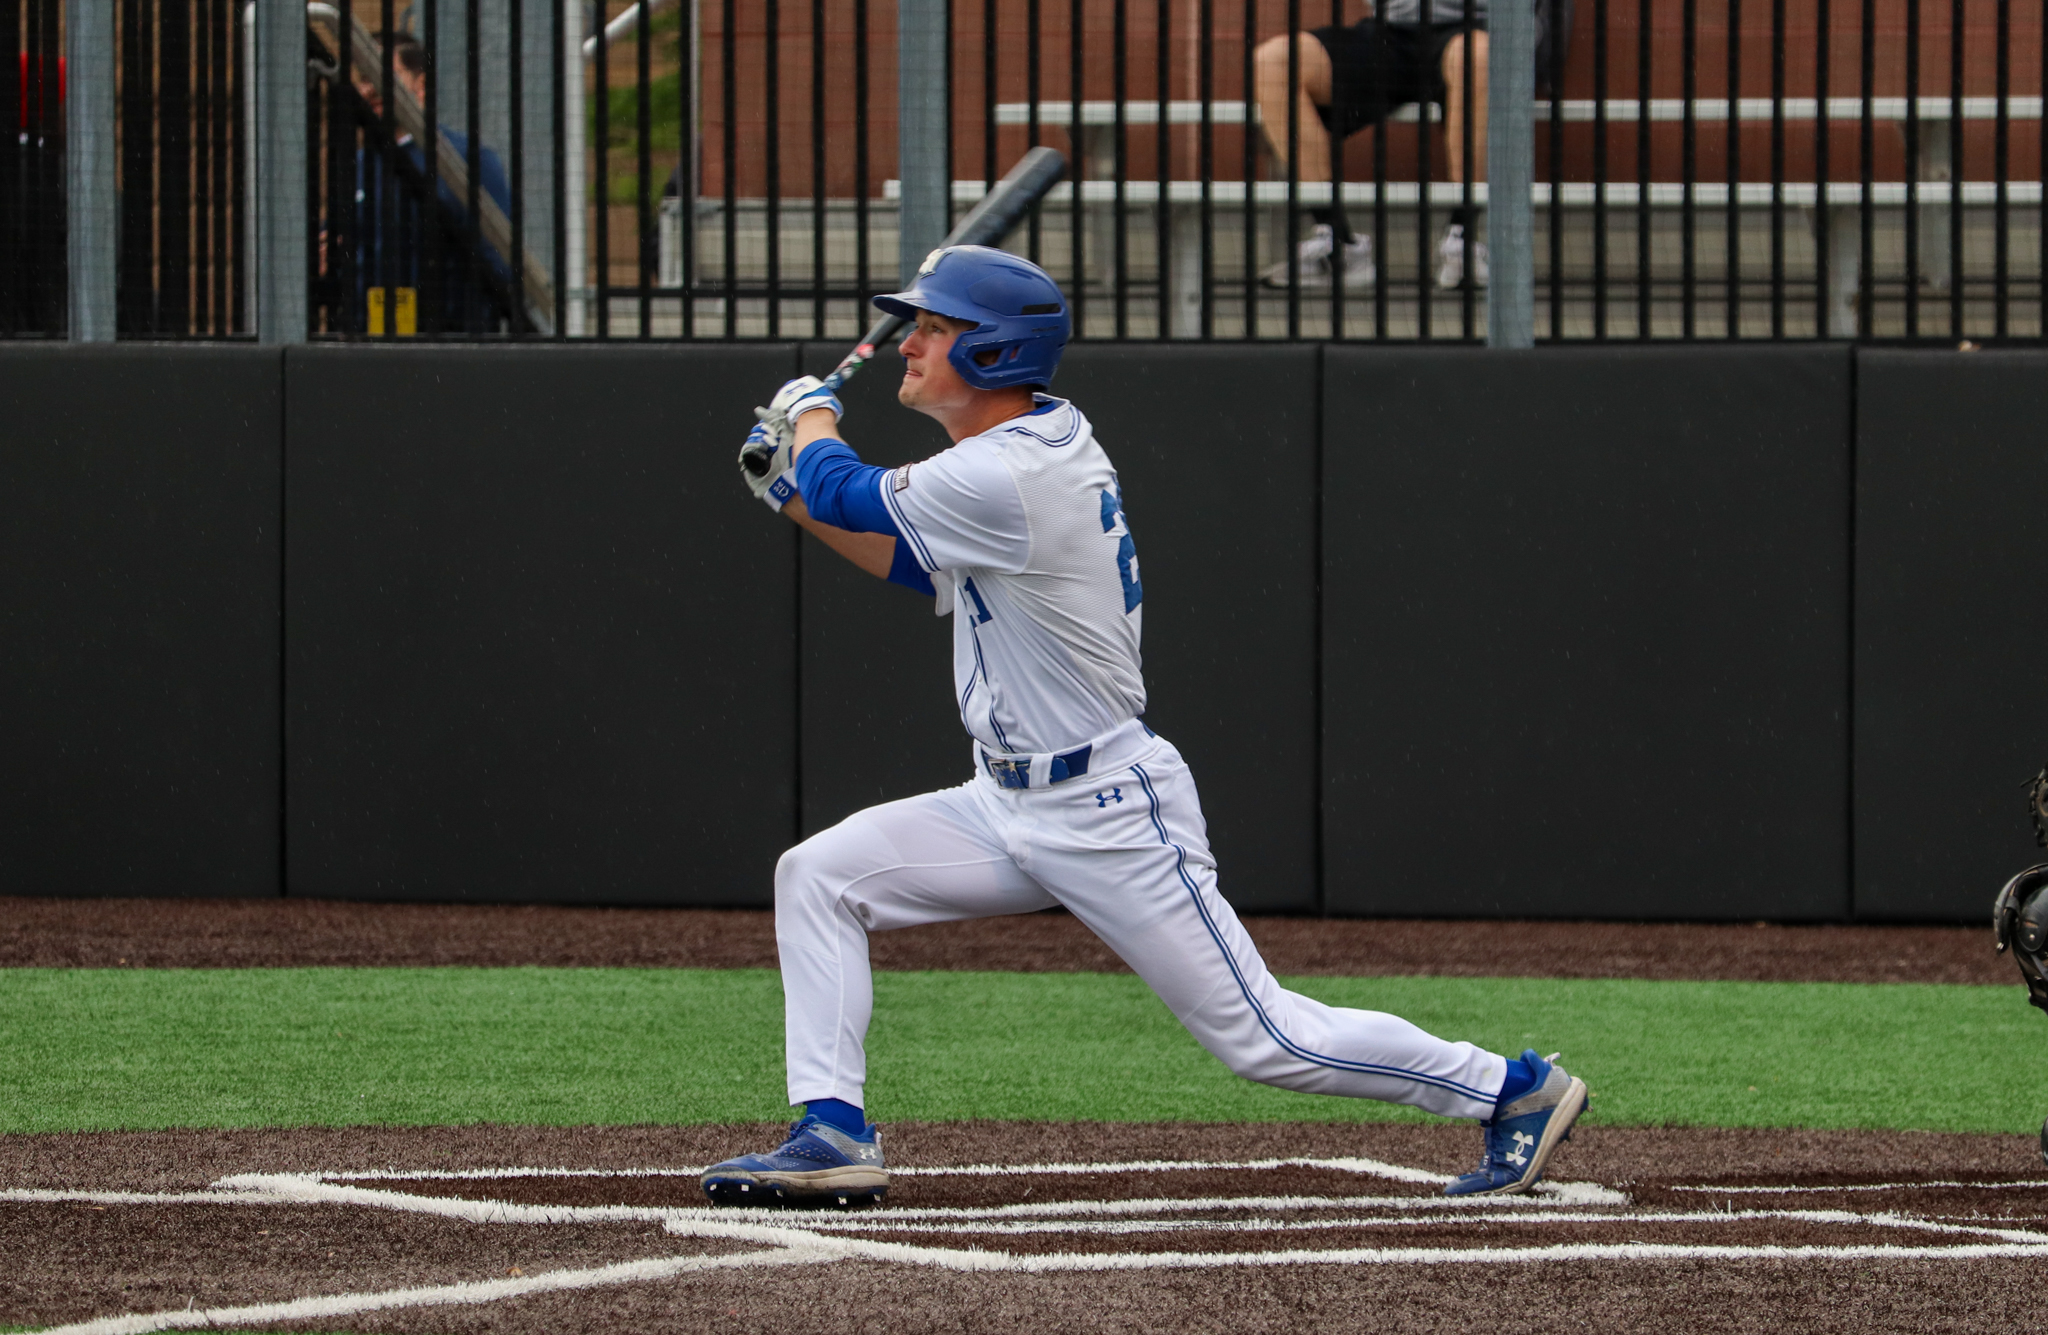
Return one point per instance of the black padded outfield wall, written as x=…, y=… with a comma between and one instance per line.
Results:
x=1585, y=626
x=1215, y=449
x=139, y=521
x=541, y=644
x=879, y=722
x=1442, y=632
x=1951, y=626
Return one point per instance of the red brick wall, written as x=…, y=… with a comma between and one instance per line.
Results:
x=1011, y=43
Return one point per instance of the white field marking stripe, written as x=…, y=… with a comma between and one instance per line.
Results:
x=28, y=1194
x=1369, y=1167
x=979, y=1260
x=1877, y=1186
x=752, y=1225
x=1133, y=1226
x=307, y=1188
x=313, y=1191
x=692, y=1223
x=492, y=1174
x=1451, y=1205
x=486, y=1291
x=773, y=1225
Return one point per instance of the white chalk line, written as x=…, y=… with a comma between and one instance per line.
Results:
x=483, y=1291
x=1871, y=1186
x=1368, y=1167
x=311, y=1190
x=307, y=1188
x=1134, y=1226
x=1593, y=1195
x=276, y=1189
x=977, y=1260
x=349, y=1304
x=782, y=1228
x=493, y=1174
x=786, y=1242
x=1364, y=1167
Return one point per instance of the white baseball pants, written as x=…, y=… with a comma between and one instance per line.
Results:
x=1127, y=852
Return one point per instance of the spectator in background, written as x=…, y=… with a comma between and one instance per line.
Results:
x=389, y=222
x=1352, y=77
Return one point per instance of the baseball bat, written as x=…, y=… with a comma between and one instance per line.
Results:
x=985, y=224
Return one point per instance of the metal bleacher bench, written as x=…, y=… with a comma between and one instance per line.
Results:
x=1705, y=109
x=1837, y=204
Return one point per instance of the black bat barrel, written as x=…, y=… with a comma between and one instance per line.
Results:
x=1005, y=206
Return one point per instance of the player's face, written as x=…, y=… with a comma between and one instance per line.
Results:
x=372, y=91
x=368, y=91
x=930, y=384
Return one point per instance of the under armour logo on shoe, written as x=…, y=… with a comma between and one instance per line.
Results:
x=867, y=1153
x=1524, y=1142
x=1113, y=795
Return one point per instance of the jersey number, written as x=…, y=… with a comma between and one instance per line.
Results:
x=981, y=616
x=1113, y=521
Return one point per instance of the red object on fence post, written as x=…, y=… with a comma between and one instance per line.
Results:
x=24, y=85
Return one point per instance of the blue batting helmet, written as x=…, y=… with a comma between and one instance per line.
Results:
x=1015, y=307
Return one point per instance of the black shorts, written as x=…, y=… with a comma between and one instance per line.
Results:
x=1377, y=68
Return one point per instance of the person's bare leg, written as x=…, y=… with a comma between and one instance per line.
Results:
x=1454, y=114
x=1462, y=257
x=1269, y=63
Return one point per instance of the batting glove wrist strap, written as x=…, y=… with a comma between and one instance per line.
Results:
x=765, y=463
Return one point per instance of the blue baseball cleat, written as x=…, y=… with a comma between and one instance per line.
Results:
x=817, y=1165
x=1522, y=1136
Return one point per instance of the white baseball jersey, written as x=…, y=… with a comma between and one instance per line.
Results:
x=1022, y=530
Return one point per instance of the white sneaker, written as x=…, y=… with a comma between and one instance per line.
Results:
x=1314, y=256
x=1450, y=271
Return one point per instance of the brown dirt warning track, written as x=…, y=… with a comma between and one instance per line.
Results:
x=1002, y=1227
x=201, y=934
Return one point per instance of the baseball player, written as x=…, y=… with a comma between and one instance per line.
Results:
x=1018, y=533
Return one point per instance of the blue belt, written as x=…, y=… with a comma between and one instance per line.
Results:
x=1017, y=773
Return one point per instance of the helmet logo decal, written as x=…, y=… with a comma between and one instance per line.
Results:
x=931, y=262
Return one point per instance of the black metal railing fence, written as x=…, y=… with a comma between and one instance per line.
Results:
x=181, y=267
x=1783, y=169
x=412, y=222
x=717, y=169
x=32, y=274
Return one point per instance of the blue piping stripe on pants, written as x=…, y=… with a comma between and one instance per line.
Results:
x=1335, y=1063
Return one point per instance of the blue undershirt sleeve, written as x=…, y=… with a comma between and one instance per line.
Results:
x=904, y=570
x=838, y=489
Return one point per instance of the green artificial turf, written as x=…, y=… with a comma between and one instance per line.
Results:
x=103, y=1049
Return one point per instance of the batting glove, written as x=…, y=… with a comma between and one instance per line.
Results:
x=803, y=394
x=764, y=463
